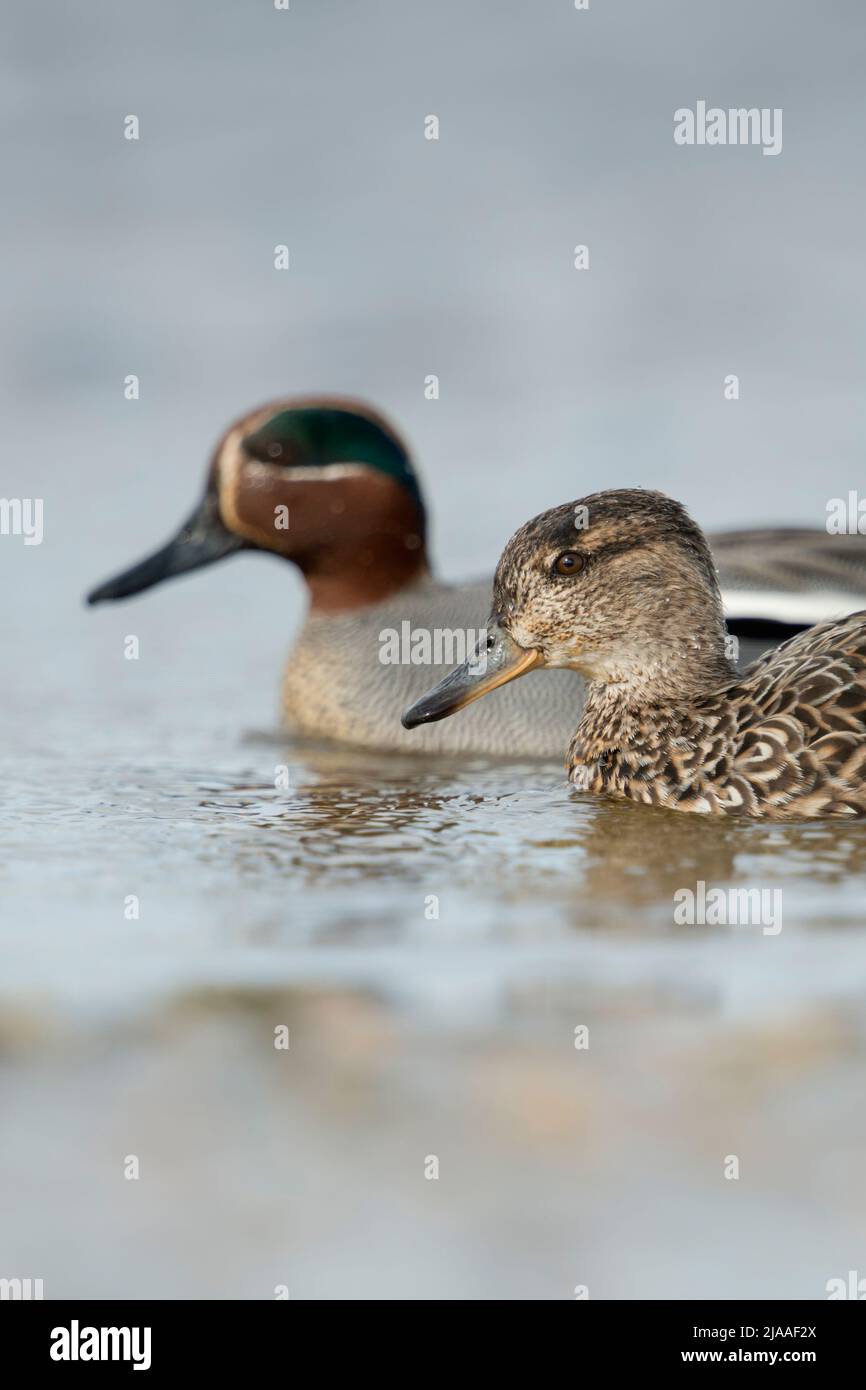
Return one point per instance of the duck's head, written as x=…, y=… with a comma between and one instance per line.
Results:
x=322, y=482
x=620, y=586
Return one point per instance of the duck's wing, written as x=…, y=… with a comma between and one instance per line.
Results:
x=800, y=717
x=816, y=647
x=779, y=581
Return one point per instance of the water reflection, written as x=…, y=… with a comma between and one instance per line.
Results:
x=416, y=1033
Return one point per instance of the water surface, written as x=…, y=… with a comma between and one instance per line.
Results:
x=415, y=1035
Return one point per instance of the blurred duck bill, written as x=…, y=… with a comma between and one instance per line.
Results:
x=496, y=660
x=202, y=540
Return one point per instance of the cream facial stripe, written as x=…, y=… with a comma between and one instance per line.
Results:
x=228, y=473
x=302, y=473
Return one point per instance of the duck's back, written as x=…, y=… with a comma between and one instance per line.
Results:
x=337, y=686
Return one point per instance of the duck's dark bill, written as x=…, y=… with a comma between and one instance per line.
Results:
x=200, y=541
x=496, y=664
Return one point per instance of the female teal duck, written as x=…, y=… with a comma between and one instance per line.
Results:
x=631, y=601
x=328, y=485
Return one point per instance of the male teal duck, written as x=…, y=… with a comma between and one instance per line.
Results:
x=631, y=601
x=328, y=484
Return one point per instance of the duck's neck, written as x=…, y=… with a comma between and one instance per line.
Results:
x=634, y=716
x=361, y=571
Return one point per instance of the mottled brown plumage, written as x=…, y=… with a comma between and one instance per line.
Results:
x=668, y=721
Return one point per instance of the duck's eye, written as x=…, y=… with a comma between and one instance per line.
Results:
x=569, y=562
